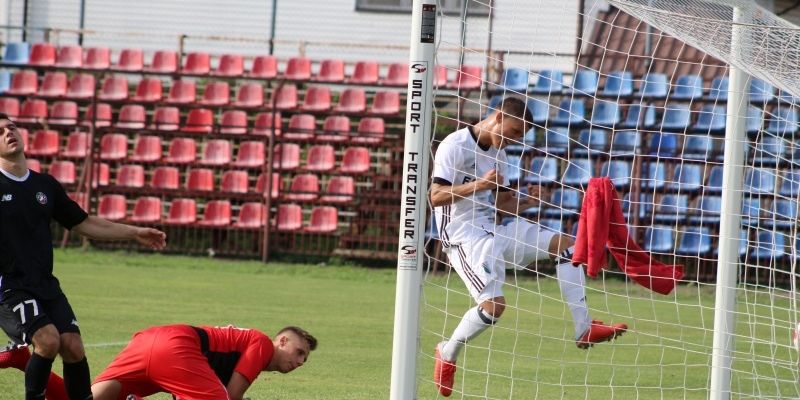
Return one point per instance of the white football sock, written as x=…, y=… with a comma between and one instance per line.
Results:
x=474, y=322
x=572, y=284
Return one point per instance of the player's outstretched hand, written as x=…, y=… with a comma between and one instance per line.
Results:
x=152, y=238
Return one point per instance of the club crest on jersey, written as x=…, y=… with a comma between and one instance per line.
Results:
x=41, y=198
x=6, y=197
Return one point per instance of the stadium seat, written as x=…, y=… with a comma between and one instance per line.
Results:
x=324, y=219
x=216, y=93
x=250, y=95
x=24, y=133
x=81, y=87
x=686, y=178
x=251, y=215
x=514, y=168
x=131, y=60
x=250, y=154
x=514, y=80
x=618, y=84
x=44, y=143
x=289, y=217
x=695, y=241
x=591, y=142
x=355, y=160
x=63, y=113
x=769, y=151
x=233, y=122
x=676, y=118
x=54, y=84
x=101, y=118
x=197, y=63
x=754, y=120
x=33, y=164
x=659, y=239
x=298, y=69
x=761, y=91
x=340, y=189
x=751, y=211
x=320, y=158
x=769, y=246
x=549, y=82
x=784, y=122
x=42, y=55
x=182, y=92
x=112, y=207
x=688, y=88
x=199, y=120
x=664, y=144
x=352, y=101
x=396, y=75
x=267, y=123
x=24, y=82
x=234, y=182
x=261, y=184
x=77, y=145
x=719, y=90
x=113, y=147
x=317, y=99
x=146, y=149
x=370, y=131
x=711, y=119
x=330, y=70
x=671, y=209
x=9, y=106
x=130, y=176
x=335, y=128
x=115, y=88
x=181, y=151
x=626, y=143
x=468, y=77
x=16, y=53
x=70, y=56
x=33, y=111
x=284, y=98
x=653, y=176
x=584, y=83
x=790, y=184
x=146, y=210
x=564, y=203
x=714, y=184
x=540, y=110
x=286, y=156
x=131, y=116
x=101, y=174
x=619, y=171
x=265, y=67
x=605, y=114
x=216, y=213
x=706, y=211
x=556, y=141
x=182, y=212
x=148, y=90
x=543, y=170
x=63, y=171
x=304, y=187
x=217, y=152
x=201, y=179
x=164, y=61
x=97, y=58
x=364, y=73
x=165, y=178
x=759, y=180
x=654, y=86
x=166, y=119
x=570, y=113
x=639, y=117
x=783, y=214
x=301, y=127
x=386, y=103
x=230, y=65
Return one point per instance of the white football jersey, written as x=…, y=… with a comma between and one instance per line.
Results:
x=459, y=160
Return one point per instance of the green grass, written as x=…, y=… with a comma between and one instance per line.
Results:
x=530, y=354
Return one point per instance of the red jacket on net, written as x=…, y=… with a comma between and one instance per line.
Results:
x=602, y=223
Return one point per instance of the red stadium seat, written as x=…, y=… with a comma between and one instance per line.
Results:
x=63, y=113
x=63, y=171
x=147, y=209
x=33, y=111
x=261, y=184
x=355, y=160
x=217, y=213
x=130, y=176
x=69, y=57
x=23, y=83
x=234, y=122
x=217, y=152
x=42, y=55
x=131, y=116
x=77, y=145
x=33, y=165
x=81, y=87
x=286, y=156
x=101, y=118
x=250, y=95
x=166, y=119
x=164, y=61
x=324, y=219
x=112, y=207
x=365, y=73
x=340, y=189
x=54, y=84
x=181, y=151
x=44, y=143
x=267, y=123
x=231, y=65
x=304, y=187
x=165, y=178
x=331, y=71
x=197, y=63
x=396, y=75
x=216, y=93
x=320, y=158
x=9, y=106
x=289, y=217
x=24, y=133
x=113, y=146
x=146, y=149
x=469, y=77
x=97, y=58
x=182, y=92
x=250, y=154
x=336, y=128
x=182, y=212
x=301, y=127
x=101, y=174
x=199, y=120
x=298, y=69
x=284, y=98
x=352, y=101
x=149, y=90
x=265, y=67
x=370, y=131
x=251, y=215
x=234, y=182
x=440, y=77
x=386, y=103
x=130, y=60
x=200, y=179
x=317, y=99
x=115, y=88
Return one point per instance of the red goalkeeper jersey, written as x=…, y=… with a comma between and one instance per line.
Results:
x=246, y=351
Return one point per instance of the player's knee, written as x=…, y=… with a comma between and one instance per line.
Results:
x=71, y=348
x=559, y=244
x=106, y=390
x=494, y=307
x=46, y=341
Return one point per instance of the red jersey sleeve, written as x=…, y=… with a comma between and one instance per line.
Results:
x=254, y=349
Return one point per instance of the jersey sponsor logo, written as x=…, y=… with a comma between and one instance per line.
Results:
x=41, y=198
x=74, y=322
x=6, y=197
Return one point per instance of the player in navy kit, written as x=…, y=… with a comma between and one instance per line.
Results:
x=33, y=309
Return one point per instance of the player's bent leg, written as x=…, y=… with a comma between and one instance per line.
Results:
x=76, y=368
x=46, y=341
x=71, y=349
x=106, y=390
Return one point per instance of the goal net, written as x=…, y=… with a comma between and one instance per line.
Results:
x=650, y=94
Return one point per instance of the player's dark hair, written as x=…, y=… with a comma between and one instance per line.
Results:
x=5, y=116
x=312, y=341
x=515, y=107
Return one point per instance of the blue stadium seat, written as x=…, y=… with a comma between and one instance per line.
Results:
x=784, y=122
x=719, y=89
x=654, y=175
x=659, y=239
x=700, y=147
x=676, y=118
x=494, y=102
x=769, y=245
x=786, y=97
x=754, y=120
x=591, y=142
x=527, y=143
x=515, y=80
x=654, y=86
x=626, y=143
x=578, y=172
x=664, y=144
x=564, y=203
x=432, y=232
x=759, y=181
x=672, y=208
x=790, y=184
x=584, y=83
x=543, y=170
x=761, y=91
x=769, y=151
x=605, y=114
x=570, y=113
x=513, y=170
x=16, y=53
x=619, y=171
x=645, y=205
x=782, y=214
x=556, y=141
x=711, y=119
x=686, y=178
x=744, y=241
x=707, y=211
x=714, y=184
x=540, y=110
x=618, y=84
x=751, y=211
x=639, y=116
x=5, y=80
x=549, y=82
x=695, y=241
x=688, y=87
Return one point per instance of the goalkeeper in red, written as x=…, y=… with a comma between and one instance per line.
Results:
x=469, y=166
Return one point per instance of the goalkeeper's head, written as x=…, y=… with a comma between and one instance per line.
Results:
x=508, y=122
x=292, y=347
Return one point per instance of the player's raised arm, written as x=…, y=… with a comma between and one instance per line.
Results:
x=101, y=229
